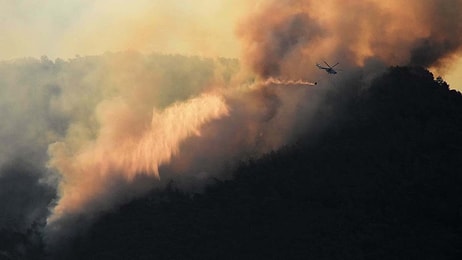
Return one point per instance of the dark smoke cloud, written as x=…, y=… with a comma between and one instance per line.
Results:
x=44, y=102
x=283, y=38
x=24, y=197
x=27, y=126
x=445, y=38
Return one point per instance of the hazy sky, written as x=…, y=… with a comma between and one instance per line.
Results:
x=454, y=75
x=85, y=27
x=63, y=29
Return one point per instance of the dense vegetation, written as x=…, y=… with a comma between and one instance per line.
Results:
x=382, y=181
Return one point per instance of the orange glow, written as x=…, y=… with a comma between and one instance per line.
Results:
x=299, y=33
x=128, y=115
x=116, y=151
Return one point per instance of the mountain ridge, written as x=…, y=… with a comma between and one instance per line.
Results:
x=381, y=180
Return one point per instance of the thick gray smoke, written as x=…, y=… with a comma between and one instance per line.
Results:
x=46, y=105
x=81, y=136
x=284, y=38
x=28, y=125
x=445, y=37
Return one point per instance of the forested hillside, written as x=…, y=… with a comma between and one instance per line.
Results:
x=381, y=179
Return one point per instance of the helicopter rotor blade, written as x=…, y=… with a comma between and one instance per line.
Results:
x=327, y=64
x=336, y=64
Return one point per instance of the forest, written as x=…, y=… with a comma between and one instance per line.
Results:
x=378, y=178
x=381, y=180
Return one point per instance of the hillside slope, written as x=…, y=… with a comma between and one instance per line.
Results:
x=381, y=181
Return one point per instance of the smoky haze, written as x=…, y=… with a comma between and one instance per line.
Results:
x=138, y=121
x=284, y=38
x=87, y=134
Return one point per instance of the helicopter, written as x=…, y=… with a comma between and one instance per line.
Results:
x=329, y=69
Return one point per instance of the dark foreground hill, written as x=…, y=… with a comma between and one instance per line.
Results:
x=382, y=180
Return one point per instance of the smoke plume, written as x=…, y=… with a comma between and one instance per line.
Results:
x=90, y=133
x=284, y=38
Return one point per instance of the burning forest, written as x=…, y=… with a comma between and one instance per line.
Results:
x=176, y=97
